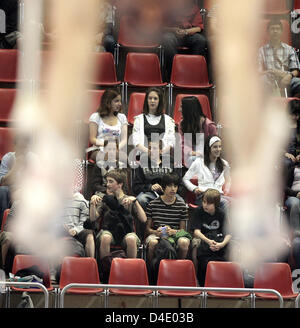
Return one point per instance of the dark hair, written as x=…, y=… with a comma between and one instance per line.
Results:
x=212, y=196
x=191, y=114
x=168, y=179
x=109, y=141
x=294, y=106
x=161, y=104
x=105, y=105
x=274, y=21
x=219, y=162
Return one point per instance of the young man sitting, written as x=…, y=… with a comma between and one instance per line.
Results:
x=208, y=227
x=147, y=179
x=167, y=215
x=116, y=180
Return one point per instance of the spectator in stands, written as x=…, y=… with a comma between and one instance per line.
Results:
x=290, y=155
x=116, y=180
x=292, y=202
x=166, y=217
x=108, y=122
x=196, y=124
x=76, y=213
x=11, y=35
x=212, y=172
x=148, y=176
x=11, y=167
x=105, y=40
x=278, y=62
x=208, y=228
x=107, y=160
x=183, y=27
x=153, y=122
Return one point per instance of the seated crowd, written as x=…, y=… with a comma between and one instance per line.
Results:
x=145, y=209
x=154, y=215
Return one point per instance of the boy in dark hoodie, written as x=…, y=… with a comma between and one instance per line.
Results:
x=146, y=184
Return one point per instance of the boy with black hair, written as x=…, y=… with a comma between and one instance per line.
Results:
x=148, y=176
x=116, y=199
x=208, y=228
x=166, y=216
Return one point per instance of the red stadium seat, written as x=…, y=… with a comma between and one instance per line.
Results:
x=203, y=99
x=26, y=261
x=128, y=272
x=274, y=276
x=8, y=65
x=286, y=36
x=94, y=98
x=7, y=98
x=82, y=270
x=6, y=140
x=188, y=72
x=129, y=38
x=177, y=273
x=105, y=74
x=142, y=70
x=135, y=106
x=275, y=7
x=224, y=274
x=5, y=214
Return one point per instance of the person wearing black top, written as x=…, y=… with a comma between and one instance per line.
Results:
x=9, y=38
x=210, y=239
x=147, y=177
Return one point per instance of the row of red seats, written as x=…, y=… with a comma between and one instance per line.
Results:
x=171, y=273
x=271, y=7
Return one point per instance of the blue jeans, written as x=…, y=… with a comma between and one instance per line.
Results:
x=293, y=206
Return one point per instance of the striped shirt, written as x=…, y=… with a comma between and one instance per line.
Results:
x=163, y=214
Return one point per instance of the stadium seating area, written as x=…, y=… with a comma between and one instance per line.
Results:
x=133, y=68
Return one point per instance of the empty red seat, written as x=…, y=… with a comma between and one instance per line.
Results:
x=128, y=272
x=105, y=70
x=8, y=65
x=142, y=70
x=177, y=273
x=6, y=140
x=275, y=7
x=227, y=275
x=81, y=270
x=276, y=276
x=7, y=98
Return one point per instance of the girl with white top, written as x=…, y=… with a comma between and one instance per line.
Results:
x=212, y=172
x=108, y=122
x=153, y=121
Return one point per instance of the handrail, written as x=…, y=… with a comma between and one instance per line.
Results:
x=157, y=288
x=297, y=301
x=29, y=284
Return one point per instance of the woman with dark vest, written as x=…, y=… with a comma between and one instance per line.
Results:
x=153, y=123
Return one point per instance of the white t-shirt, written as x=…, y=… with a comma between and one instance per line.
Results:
x=108, y=131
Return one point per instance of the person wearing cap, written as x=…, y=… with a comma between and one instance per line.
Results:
x=212, y=172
